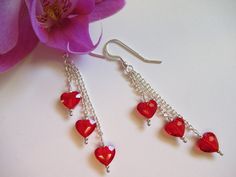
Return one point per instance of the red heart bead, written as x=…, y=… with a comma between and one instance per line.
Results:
x=147, y=109
x=175, y=127
x=70, y=99
x=85, y=127
x=105, y=154
x=208, y=142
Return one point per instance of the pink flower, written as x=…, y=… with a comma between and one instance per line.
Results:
x=61, y=24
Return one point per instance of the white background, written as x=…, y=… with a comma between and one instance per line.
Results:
x=196, y=41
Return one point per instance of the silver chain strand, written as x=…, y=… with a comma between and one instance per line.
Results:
x=87, y=107
x=165, y=110
x=73, y=74
x=143, y=88
x=69, y=78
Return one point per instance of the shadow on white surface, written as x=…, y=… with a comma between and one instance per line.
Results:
x=138, y=119
x=9, y=75
x=78, y=140
x=48, y=55
x=64, y=113
x=165, y=138
x=100, y=169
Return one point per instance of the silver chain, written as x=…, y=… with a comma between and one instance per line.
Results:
x=144, y=89
x=74, y=77
x=68, y=76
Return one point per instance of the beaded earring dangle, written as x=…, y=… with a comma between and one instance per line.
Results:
x=151, y=103
x=76, y=93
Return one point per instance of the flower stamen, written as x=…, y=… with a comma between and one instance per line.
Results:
x=53, y=10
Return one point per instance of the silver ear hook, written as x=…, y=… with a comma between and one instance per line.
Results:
x=127, y=48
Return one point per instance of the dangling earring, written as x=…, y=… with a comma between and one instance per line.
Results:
x=89, y=122
x=151, y=103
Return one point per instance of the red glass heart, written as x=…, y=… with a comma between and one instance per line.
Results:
x=208, y=142
x=147, y=109
x=85, y=127
x=70, y=99
x=176, y=127
x=105, y=154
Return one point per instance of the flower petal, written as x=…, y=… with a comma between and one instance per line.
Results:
x=106, y=8
x=73, y=36
x=84, y=7
x=83, y=46
x=9, y=14
x=33, y=7
x=26, y=42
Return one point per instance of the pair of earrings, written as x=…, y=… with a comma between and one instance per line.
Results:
x=151, y=103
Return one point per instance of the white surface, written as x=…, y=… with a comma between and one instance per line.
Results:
x=196, y=41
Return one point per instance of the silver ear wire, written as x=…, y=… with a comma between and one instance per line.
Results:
x=110, y=56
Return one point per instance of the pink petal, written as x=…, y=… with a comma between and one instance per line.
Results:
x=73, y=36
x=33, y=6
x=84, y=7
x=75, y=47
x=9, y=14
x=106, y=8
x=26, y=42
